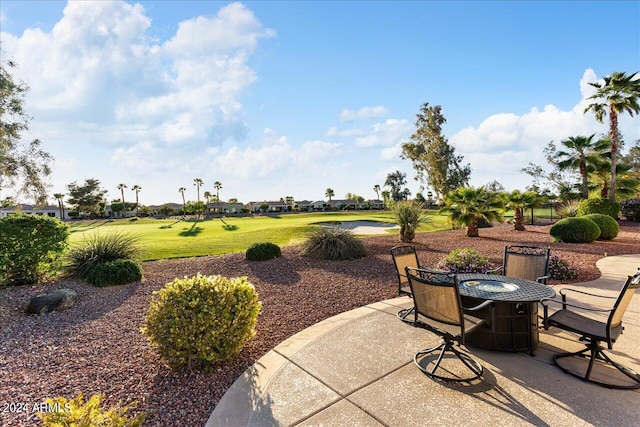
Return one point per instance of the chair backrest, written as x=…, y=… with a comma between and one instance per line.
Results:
x=526, y=262
x=629, y=288
x=404, y=256
x=436, y=296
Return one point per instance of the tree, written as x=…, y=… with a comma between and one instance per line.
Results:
x=386, y=196
x=181, y=190
x=633, y=157
x=376, y=188
x=207, y=196
x=24, y=166
x=121, y=187
x=627, y=181
x=198, y=182
x=434, y=160
x=290, y=201
x=619, y=93
x=395, y=181
x=60, y=198
x=581, y=151
x=137, y=189
x=218, y=186
x=519, y=201
x=166, y=210
x=87, y=198
x=466, y=205
x=329, y=193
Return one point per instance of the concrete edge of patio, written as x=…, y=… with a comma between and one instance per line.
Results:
x=311, y=389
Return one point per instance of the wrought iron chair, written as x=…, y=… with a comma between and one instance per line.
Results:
x=404, y=256
x=594, y=332
x=438, y=310
x=525, y=262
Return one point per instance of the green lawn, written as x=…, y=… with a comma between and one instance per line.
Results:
x=176, y=238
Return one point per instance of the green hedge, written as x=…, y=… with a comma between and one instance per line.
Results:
x=608, y=226
x=599, y=205
x=575, y=230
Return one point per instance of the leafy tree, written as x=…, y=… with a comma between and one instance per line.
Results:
x=87, y=198
x=60, y=198
x=580, y=152
x=420, y=199
x=233, y=200
x=434, y=160
x=24, y=166
x=121, y=187
x=218, y=186
x=619, y=93
x=559, y=180
x=494, y=187
x=181, y=190
x=519, y=201
x=198, y=182
x=329, y=193
x=395, y=181
x=137, y=189
x=166, y=210
x=466, y=205
x=633, y=157
x=354, y=197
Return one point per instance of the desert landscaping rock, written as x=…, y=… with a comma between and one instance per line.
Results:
x=59, y=300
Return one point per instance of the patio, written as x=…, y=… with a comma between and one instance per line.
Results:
x=357, y=368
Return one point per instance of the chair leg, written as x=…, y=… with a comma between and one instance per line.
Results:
x=595, y=352
x=447, y=346
x=404, y=313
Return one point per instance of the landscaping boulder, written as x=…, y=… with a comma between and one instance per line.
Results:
x=58, y=300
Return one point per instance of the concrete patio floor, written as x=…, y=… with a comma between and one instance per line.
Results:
x=357, y=369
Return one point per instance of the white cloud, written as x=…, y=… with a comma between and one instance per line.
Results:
x=385, y=134
x=364, y=113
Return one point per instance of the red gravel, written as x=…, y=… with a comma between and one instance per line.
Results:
x=97, y=346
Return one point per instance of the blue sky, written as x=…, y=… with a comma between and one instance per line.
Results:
x=277, y=99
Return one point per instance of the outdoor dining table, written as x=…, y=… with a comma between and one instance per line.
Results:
x=515, y=312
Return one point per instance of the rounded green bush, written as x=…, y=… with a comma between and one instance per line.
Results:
x=202, y=320
x=118, y=272
x=608, y=226
x=464, y=261
x=333, y=244
x=263, y=251
x=30, y=248
x=599, y=205
x=575, y=230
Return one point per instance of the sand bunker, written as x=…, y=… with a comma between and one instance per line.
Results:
x=363, y=227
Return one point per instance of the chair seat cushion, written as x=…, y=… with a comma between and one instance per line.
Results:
x=585, y=326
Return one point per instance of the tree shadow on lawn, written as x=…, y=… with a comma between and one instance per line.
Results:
x=191, y=232
x=91, y=226
x=164, y=227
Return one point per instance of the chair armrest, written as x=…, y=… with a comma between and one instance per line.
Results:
x=495, y=270
x=564, y=290
x=567, y=304
x=488, y=303
x=543, y=279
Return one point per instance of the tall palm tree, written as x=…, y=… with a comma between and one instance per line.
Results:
x=376, y=188
x=207, y=196
x=329, y=193
x=386, y=195
x=198, y=182
x=619, y=93
x=519, y=202
x=581, y=151
x=466, y=205
x=59, y=197
x=121, y=187
x=181, y=190
x=218, y=186
x=627, y=181
x=137, y=189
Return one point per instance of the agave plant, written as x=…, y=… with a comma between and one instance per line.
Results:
x=409, y=216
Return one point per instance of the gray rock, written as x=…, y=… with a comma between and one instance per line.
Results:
x=58, y=300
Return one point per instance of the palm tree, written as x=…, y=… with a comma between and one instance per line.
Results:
x=121, y=187
x=59, y=197
x=627, y=181
x=618, y=94
x=466, y=205
x=181, y=190
x=581, y=151
x=218, y=186
x=386, y=195
x=137, y=189
x=329, y=193
x=198, y=182
x=376, y=188
x=519, y=202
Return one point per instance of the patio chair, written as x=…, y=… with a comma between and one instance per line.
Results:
x=404, y=256
x=593, y=332
x=525, y=262
x=438, y=310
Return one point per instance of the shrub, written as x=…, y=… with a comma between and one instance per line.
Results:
x=575, y=230
x=263, y=251
x=631, y=209
x=30, y=248
x=464, y=261
x=99, y=249
x=118, y=272
x=568, y=208
x=202, y=320
x=63, y=412
x=409, y=216
x=608, y=226
x=559, y=269
x=599, y=205
x=332, y=243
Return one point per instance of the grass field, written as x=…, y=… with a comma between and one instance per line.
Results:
x=176, y=238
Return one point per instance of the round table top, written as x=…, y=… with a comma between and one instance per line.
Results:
x=502, y=288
